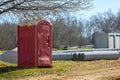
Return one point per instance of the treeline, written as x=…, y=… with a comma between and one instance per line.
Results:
x=107, y=22
x=67, y=30
x=8, y=38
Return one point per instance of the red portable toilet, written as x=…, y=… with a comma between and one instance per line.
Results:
x=34, y=45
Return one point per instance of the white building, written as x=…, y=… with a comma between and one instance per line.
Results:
x=107, y=40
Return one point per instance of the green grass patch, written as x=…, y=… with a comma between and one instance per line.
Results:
x=2, y=51
x=12, y=71
x=82, y=48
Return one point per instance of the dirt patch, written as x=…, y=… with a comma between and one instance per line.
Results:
x=101, y=74
x=109, y=70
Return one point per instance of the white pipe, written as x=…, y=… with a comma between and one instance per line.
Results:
x=96, y=55
x=11, y=56
x=62, y=56
x=0, y=57
x=98, y=49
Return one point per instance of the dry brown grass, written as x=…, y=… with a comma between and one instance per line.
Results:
x=64, y=70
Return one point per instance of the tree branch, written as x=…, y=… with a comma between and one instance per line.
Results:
x=8, y=9
x=41, y=7
x=6, y=2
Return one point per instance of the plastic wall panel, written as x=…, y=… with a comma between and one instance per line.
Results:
x=117, y=42
x=26, y=47
x=111, y=41
x=101, y=40
x=114, y=40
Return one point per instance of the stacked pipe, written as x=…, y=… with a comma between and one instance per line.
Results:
x=99, y=49
x=11, y=56
x=78, y=56
x=96, y=55
x=87, y=55
x=101, y=55
x=62, y=56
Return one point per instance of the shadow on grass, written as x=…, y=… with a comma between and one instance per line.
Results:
x=13, y=68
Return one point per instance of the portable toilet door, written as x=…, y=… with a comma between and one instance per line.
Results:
x=43, y=44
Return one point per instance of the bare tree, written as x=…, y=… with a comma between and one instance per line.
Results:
x=8, y=36
x=105, y=22
x=33, y=9
x=118, y=22
x=67, y=32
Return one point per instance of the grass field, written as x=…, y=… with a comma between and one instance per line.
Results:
x=10, y=71
x=2, y=51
